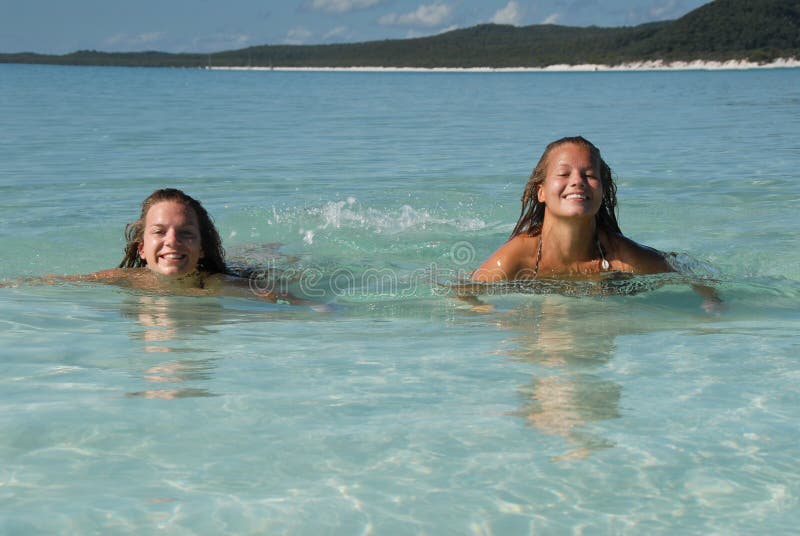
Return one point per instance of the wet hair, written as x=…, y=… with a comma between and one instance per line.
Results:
x=531, y=216
x=213, y=260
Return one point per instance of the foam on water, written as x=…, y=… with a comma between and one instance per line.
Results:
x=350, y=214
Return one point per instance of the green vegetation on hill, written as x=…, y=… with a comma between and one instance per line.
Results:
x=758, y=30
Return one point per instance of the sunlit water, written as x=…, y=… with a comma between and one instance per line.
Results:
x=397, y=408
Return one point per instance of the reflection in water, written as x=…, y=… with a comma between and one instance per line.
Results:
x=180, y=371
x=167, y=322
x=562, y=405
x=171, y=394
x=569, y=339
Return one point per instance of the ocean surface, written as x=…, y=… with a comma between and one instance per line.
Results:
x=395, y=408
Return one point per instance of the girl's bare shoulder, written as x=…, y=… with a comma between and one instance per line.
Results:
x=516, y=255
x=638, y=258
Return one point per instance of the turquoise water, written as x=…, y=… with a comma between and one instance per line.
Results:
x=396, y=409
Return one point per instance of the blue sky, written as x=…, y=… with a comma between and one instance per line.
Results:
x=61, y=26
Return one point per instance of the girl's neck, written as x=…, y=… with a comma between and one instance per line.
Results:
x=569, y=242
x=192, y=279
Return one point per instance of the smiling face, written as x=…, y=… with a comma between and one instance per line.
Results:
x=572, y=187
x=171, y=244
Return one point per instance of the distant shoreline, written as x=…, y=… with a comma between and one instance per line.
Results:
x=720, y=35
x=650, y=65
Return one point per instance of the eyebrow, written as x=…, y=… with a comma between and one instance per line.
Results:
x=183, y=226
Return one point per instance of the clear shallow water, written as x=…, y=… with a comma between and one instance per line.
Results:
x=399, y=410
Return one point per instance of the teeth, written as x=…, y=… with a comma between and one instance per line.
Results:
x=576, y=196
x=173, y=256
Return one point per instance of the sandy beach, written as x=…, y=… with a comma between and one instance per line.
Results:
x=652, y=65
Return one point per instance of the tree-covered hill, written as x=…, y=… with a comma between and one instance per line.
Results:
x=754, y=29
x=758, y=30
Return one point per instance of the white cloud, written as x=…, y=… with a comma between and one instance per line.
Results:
x=339, y=31
x=219, y=41
x=130, y=41
x=552, y=19
x=342, y=6
x=297, y=36
x=667, y=9
x=511, y=14
x=425, y=15
x=413, y=33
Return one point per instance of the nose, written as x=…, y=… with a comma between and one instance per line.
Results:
x=171, y=237
x=577, y=178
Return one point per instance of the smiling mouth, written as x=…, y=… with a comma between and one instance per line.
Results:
x=580, y=197
x=173, y=257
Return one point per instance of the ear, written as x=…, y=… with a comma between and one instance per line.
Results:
x=140, y=249
x=539, y=193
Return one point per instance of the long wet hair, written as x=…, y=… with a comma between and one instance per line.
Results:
x=531, y=216
x=213, y=260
